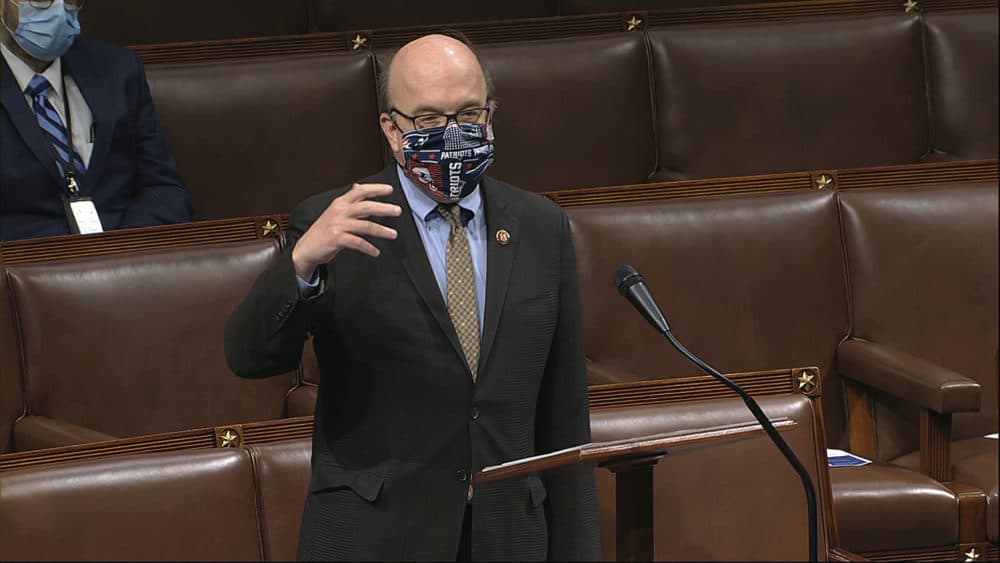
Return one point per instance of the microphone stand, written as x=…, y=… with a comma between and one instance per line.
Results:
x=776, y=437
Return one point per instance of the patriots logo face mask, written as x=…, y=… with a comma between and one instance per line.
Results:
x=448, y=162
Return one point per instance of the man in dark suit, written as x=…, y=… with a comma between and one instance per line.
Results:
x=81, y=108
x=445, y=314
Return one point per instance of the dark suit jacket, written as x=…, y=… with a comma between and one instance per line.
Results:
x=131, y=176
x=400, y=425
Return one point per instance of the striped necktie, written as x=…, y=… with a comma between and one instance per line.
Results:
x=463, y=306
x=52, y=126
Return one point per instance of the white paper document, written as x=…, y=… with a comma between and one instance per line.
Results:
x=992, y=436
x=840, y=458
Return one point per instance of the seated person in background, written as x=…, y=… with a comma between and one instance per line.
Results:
x=117, y=172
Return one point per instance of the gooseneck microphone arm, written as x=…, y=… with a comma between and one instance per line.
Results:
x=632, y=286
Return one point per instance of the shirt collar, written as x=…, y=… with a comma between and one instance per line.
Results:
x=24, y=73
x=424, y=206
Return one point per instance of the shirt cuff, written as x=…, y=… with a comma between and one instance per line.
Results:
x=308, y=288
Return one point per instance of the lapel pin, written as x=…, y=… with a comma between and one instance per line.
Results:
x=503, y=237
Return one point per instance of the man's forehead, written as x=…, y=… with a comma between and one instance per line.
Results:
x=434, y=58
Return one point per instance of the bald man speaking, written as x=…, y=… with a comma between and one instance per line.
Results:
x=445, y=314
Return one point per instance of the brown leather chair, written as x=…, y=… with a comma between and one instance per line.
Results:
x=572, y=113
x=11, y=388
x=739, y=99
x=282, y=470
x=128, y=22
x=192, y=505
x=258, y=136
x=733, y=500
x=923, y=271
x=131, y=344
x=961, y=64
x=749, y=283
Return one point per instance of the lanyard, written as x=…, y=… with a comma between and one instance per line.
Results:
x=71, y=185
x=69, y=171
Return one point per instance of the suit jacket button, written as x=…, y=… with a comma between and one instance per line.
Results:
x=461, y=475
x=475, y=413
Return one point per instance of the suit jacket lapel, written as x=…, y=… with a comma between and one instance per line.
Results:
x=409, y=249
x=25, y=122
x=91, y=85
x=499, y=261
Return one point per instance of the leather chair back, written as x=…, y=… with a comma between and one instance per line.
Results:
x=962, y=62
x=706, y=509
x=747, y=282
x=255, y=137
x=131, y=344
x=193, y=505
x=282, y=470
x=128, y=22
x=923, y=272
x=740, y=99
x=573, y=113
x=11, y=390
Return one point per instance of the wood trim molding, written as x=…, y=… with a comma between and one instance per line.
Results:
x=861, y=419
x=901, y=176
x=685, y=389
x=251, y=433
x=971, y=513
x=935, y=444
x=145, y=238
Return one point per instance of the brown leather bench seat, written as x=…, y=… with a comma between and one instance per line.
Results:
x=131, y=344
x=225, y=504
x=188, y=505
x=738, y=99
x=246, y=504
x=733, y=500
x=257, y=136
x=697, y=100
x=749, y=282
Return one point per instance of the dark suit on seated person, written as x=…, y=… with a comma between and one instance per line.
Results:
x=120, y=159
x=446, y=321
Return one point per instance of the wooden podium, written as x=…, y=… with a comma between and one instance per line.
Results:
x=632, y=461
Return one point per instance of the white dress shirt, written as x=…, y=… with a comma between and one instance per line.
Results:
x=83, y=119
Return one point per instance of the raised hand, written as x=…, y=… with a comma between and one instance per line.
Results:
x=344, y=225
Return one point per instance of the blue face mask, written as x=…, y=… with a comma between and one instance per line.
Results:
x=46, y=33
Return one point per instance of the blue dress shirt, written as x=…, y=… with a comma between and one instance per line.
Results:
x=434, y=232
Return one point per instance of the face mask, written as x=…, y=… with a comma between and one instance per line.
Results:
x=448, y=162
x=46, y=33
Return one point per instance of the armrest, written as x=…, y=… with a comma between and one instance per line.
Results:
x=918, y=381
x=40, y=432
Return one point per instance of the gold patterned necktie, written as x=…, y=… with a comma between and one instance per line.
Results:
x=463, y=307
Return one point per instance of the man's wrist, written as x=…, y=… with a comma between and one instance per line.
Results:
x=303, y=270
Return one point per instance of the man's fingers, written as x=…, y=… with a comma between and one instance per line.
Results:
x=366, y=191
x=361, y=245
x=364, y=209
x=370, y=228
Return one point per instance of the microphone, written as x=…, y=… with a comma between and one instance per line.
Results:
x=633, y=287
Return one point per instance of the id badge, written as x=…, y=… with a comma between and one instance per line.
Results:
x=82, y=216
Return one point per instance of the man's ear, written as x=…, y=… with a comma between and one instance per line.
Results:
x=390, y=132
